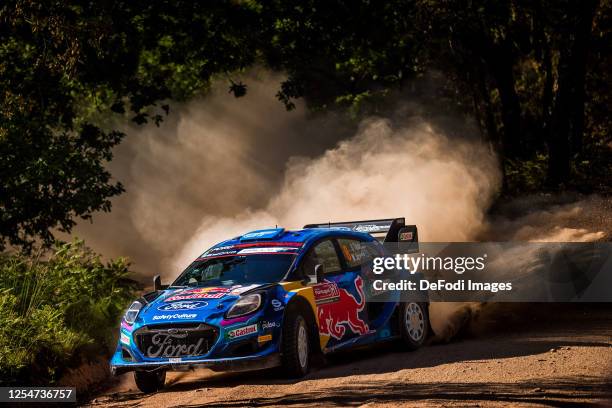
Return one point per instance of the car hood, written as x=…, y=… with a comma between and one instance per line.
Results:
x=193, y=304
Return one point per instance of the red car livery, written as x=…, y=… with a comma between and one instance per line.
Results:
x=338, y=309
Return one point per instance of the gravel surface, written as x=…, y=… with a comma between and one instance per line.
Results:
x=530, y=355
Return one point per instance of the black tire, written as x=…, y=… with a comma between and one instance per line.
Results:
x=413, y=321
x=296, y=336
x=150, y=381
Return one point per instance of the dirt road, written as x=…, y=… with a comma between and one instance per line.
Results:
x=532, y=355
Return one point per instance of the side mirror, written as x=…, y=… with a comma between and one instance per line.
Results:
x=319, y=272
x=157, y=285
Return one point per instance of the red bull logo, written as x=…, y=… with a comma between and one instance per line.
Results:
x=335, y=316
x=200, y=293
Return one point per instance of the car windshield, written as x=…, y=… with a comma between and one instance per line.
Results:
x=236, y=270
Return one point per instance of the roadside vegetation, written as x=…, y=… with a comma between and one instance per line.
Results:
x=58, y=308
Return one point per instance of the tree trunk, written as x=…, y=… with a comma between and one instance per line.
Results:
x=580, y=52
x=567, y=121
x=483, y=106
x=501, y=64
x=544, y=51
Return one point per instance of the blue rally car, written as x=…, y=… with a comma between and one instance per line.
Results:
x=269, y=298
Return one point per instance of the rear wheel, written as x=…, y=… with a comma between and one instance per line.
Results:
x=150, y=381
x=413, y=324
x=296, y=346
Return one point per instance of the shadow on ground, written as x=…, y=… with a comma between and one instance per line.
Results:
x=552, y=392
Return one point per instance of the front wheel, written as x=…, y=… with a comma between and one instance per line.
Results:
x=295, y=346
x=150, y=381
x=413, y=324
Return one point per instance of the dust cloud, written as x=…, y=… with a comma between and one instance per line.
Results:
x=415, y=171
x=212, y=157
x=221, y=166
x=551, y=218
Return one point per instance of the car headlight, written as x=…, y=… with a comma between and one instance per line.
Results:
x=244, y=305
x=132, y=312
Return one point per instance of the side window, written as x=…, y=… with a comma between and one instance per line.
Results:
x=356, y=253
x=326, y=255
x=323, y=253
x=306, y=268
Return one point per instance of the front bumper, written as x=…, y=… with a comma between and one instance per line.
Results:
x=118, y=366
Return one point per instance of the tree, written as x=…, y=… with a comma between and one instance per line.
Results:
x=65, y=64
x=523, y=68
x=567, y=123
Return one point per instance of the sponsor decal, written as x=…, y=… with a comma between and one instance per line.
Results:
x=242, y=331
x=171, y=345
x=264, y=338
x=326, y=292
x=125, y=339
x=371, y=228
x=234, y=249
x=209, y=290
x=269, y=325
x=175, y=316
x=223, y=250
x=335, y=317
x=405, y=236
x=277, y=305
x=223, y=253
x=200, y=293
x=195, y=296
x=188, y=305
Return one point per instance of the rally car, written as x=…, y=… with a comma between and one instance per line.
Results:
x=269, y=298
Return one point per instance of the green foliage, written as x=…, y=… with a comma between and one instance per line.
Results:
x=338, y=54
x=65, y=67
x=56, y=308
x=592, y=169
x=525, y=69
x=527, y=175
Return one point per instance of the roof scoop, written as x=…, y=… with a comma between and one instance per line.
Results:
x=271, y=233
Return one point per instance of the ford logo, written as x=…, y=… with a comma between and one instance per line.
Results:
x=165, y=345
x=186, y=305
x=176, y=333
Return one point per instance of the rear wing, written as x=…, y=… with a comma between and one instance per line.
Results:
x=385, y=230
